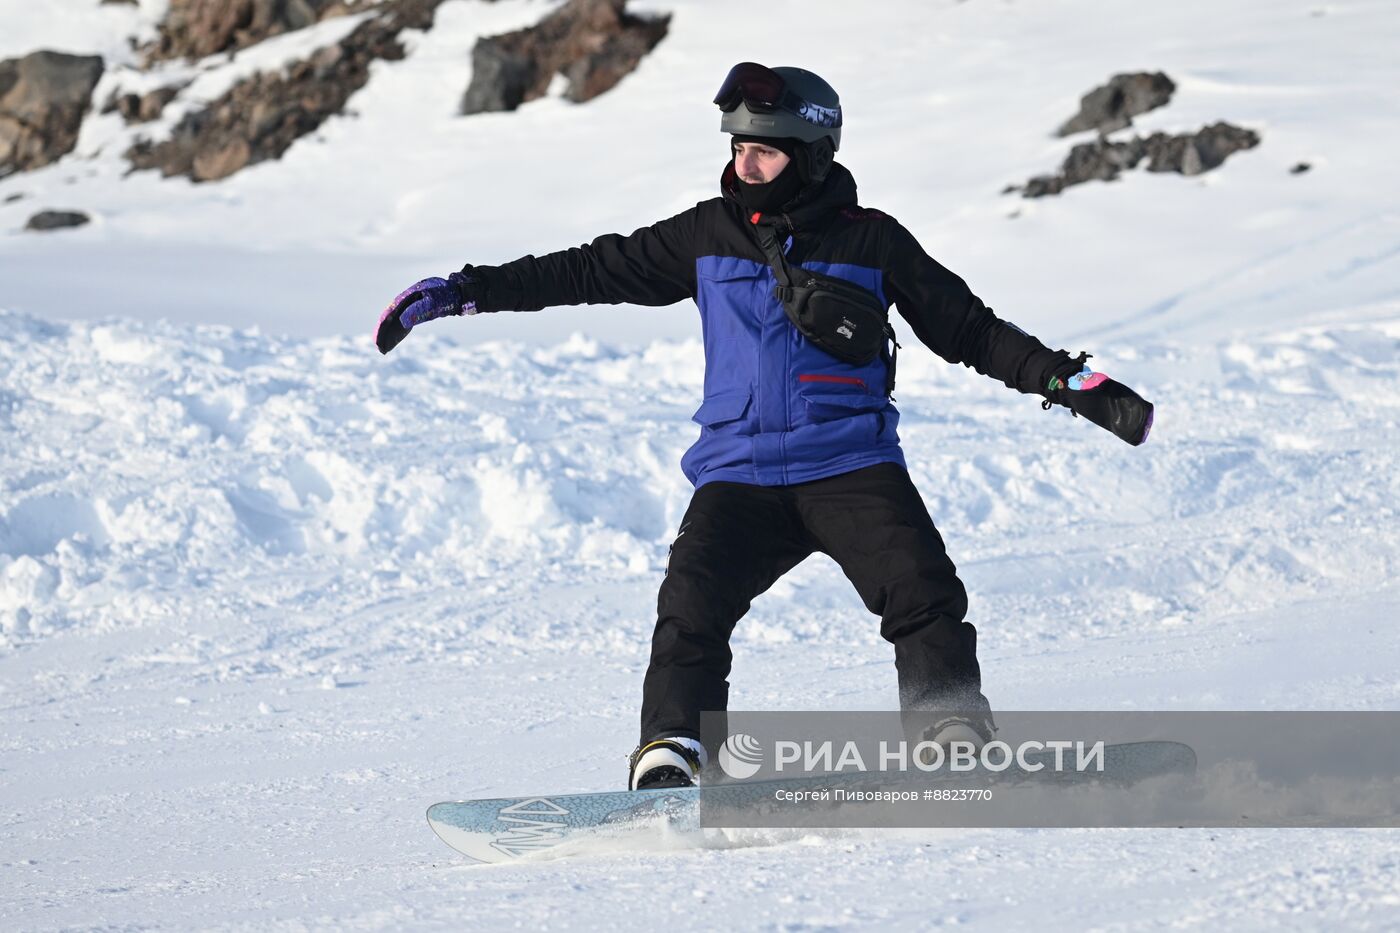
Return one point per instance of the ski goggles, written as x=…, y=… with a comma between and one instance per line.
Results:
x=763, y=90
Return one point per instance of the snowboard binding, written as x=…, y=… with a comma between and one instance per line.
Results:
x=673, y=762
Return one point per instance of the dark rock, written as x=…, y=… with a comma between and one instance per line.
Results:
x=1112, y=106
x=141, y=108
x=17, y=196
x=1188, y=154
x=592, y=43
x=154, y=102
x=56, y=220
x=1300, y=168
x=213, y=162
x=1099, y=160
x=1194, y=153
x=193, y=29
x=500, y=79
x=260, y=117
x=1042, y=185
x=128, y=105
x=43, y=98
x=1102, y=160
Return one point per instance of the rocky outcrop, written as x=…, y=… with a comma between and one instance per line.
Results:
x=592, y=43
x=193, y=29
x=43, y=97
x=56, y=220
x=1113, y=106
x=260, y=117
x=1188, y=154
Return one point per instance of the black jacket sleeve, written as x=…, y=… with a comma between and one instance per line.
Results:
x=955, y=324
x=653, y=266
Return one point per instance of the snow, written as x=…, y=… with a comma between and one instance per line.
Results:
x=265, y=594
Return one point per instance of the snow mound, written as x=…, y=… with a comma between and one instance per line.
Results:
x=148, y=465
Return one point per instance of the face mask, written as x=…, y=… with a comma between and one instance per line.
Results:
x=772, y=195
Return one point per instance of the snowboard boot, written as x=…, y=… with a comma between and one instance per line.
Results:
x=967, y=730
x=671, y=762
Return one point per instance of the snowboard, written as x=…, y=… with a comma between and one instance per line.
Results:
x=507, y=829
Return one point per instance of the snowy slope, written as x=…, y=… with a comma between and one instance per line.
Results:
x=264, y=598
x=264, y=594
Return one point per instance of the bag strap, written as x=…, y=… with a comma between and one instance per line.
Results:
x=894, y=357
x=772, y=250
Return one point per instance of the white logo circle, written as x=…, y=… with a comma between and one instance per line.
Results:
x=740, y=756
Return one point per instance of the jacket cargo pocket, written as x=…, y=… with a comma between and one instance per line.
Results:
x=722, y=409
x=829, y=406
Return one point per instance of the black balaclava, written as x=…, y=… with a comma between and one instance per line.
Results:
x=773, y=195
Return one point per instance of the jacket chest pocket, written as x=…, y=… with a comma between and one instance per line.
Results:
x=734, y=301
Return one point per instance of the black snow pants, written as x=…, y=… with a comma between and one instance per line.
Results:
x=736, y=540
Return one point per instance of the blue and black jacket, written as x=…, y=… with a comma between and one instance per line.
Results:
x=778, y=410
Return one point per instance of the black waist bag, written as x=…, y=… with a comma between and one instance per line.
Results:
x=839, y=317
x=842, y=318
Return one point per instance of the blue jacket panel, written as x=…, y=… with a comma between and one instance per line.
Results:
x=778, y=410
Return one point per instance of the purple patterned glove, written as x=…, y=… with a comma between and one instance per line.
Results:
x=425, y=300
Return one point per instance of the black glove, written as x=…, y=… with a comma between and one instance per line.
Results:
x=1111, y=405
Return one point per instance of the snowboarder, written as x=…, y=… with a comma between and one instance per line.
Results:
x=798, y=448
